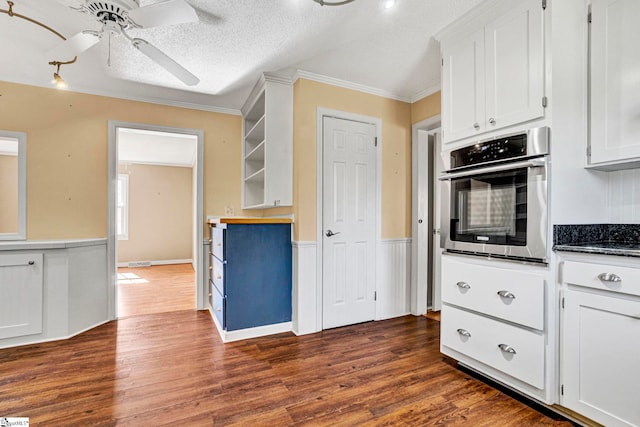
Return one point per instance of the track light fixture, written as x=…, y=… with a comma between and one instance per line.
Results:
x=57, y=80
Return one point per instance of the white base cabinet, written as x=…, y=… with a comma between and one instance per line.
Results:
x=493, y=320
x=21, y=290
x=601, y=343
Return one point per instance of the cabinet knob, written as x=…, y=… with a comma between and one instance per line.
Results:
x=463, y=285
x=464, y=332
x=609, y=277
x=506, y=294
x=507, y=348
x=476, y=126
x=492, y=121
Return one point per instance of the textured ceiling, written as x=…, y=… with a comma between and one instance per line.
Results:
x=236, y=40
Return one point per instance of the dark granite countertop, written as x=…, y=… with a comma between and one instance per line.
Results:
x=605, y=239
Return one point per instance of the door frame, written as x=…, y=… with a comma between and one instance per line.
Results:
x=419, y=288
x=321, y=113
x=111, y=209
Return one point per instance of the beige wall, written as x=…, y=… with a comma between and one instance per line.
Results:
x=160, y=213
x=396, y=154
x=8, y=194
x=426, y=107
x=67, y=155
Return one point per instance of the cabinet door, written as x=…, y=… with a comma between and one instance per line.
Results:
x=21, y=294
x=599, y=362
x=615, y=90
x=515, y=66
x=463, y=88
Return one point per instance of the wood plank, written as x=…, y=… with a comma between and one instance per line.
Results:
x=172, y=368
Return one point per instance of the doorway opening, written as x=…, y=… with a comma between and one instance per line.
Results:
x=425, y=227
x=155, y=219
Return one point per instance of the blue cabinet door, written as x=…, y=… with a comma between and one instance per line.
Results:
x=258, y=275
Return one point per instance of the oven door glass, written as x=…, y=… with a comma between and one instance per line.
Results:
x=490, y=208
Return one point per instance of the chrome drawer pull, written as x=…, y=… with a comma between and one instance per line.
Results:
x=507, y=348
x=609, y=277
x=506, y=294
x=463, y=285
x=464, y=332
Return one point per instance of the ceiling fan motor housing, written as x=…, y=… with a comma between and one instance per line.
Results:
x=111, y=11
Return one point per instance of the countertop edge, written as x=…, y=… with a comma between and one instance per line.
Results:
x=597, y=250
x=50, y=244
x=241, y=220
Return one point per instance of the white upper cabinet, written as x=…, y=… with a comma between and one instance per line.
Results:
x=615, y=86
x=267, y=146
x=493, y=78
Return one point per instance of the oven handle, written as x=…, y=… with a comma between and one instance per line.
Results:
x=533, y=163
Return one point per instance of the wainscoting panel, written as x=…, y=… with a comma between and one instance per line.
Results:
x=304, y=292
x=394, y=278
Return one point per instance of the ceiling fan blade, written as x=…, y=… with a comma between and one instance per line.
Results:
x=168, y=12
x=164, y=61
x=75, y=45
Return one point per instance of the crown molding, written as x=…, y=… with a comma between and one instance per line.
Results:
x=424, y=93
x=301, y=74
x=149, y=100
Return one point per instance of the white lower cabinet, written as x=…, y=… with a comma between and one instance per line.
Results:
x=21, y=294
x=493, y=320
x=515, y=351
x=600, y=347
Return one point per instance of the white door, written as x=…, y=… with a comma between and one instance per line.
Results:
x=515, y=66
x=420, y=229
x=348, y=222
x=463, y=112
x=435, y=209
x=615, y=92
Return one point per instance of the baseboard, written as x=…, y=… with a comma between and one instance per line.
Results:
x=244, y=334
x=159, y=262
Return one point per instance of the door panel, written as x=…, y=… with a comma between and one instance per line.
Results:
x=349, y=183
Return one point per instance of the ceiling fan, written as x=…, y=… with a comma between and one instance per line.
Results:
x=118, y=16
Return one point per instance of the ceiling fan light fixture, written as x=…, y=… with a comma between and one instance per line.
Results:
x=59, y=82
x=388, y=4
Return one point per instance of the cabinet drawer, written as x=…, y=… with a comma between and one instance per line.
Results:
x=218, y=307
x=480, y=338
x=217, y=274
x=512, y=295
x=217, y=242
x=595, y=276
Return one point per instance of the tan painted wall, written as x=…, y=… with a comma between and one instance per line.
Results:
x=160, y=213
x=396, y=154
x=67, y=160
x=8, y=194
x=426, y=107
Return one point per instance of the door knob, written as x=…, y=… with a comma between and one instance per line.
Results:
x=331, y=233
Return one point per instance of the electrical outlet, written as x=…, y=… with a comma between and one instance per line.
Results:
x=228, y=210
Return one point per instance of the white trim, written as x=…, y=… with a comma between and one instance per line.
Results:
x=125, y=216
x=110, y=93
x=418, y=305
x=21, y=233
x=377, y=122
x=301, y=74
x=244, y=334
x=200, y=287
x=303, y=244
x=149, y=163
x=158, y=262
x=424, y=93
x=394, y=241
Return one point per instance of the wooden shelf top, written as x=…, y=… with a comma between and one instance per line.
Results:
x=248, y=220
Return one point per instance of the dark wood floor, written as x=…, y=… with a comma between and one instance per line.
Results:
x=172, y=369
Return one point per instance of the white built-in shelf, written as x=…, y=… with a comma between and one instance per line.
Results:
x=267, y=162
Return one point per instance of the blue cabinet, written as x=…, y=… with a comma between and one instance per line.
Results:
x=250, y=274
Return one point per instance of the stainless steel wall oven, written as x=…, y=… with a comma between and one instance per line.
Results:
x=495, y=197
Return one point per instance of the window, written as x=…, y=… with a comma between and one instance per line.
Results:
x=122, y=207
